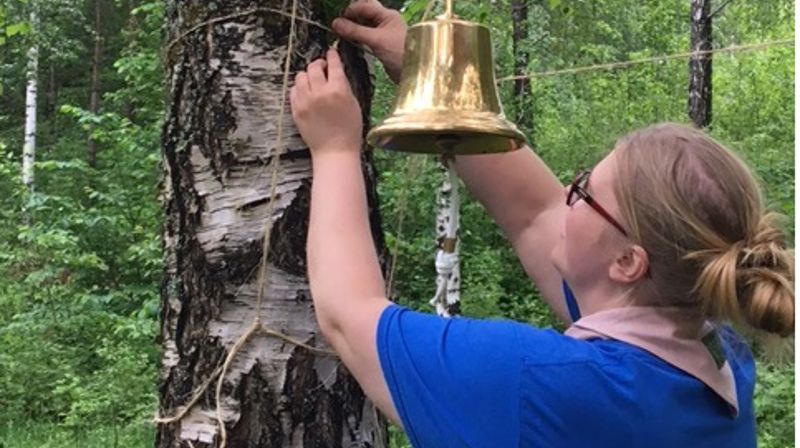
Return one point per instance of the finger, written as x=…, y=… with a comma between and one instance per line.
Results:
x=335, y=67
x=316, y=74
x=301, y=81
x=352, y=31
x=368, y=12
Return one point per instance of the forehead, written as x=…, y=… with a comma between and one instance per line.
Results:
x=603, y=173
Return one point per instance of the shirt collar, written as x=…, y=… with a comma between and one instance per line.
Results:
x=670, y=334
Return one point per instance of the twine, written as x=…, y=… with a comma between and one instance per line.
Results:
x=242, y=14
x=613, y=65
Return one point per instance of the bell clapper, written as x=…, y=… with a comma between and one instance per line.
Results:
x=446, y=143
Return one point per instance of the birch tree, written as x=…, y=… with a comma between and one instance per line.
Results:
x=225, y=75
x=29, y=147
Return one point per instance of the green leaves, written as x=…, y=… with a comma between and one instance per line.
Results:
x=413, y=10
x=17, y=28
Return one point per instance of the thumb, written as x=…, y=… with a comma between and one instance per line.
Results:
x=352, y=31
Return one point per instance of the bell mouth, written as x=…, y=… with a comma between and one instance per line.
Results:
x=447, y=132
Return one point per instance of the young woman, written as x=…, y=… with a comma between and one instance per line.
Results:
x=646, y=256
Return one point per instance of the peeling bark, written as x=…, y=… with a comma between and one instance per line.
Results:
x=699, y=104
x=225, y=84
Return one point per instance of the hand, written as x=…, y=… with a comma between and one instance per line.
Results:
x=381, y=29
x=324, y=109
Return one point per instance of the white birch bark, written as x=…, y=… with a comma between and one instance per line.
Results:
x=29, y=148
x=220, y=136
x=448, y=278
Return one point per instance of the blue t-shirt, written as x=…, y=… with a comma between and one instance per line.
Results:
x=472, y=383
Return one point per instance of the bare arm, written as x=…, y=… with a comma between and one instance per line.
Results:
x=526, y=200
x=346, y=282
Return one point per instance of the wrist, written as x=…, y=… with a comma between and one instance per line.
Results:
x=336, y=146
x=335, y=156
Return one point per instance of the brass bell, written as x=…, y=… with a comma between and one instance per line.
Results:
x=447, y=100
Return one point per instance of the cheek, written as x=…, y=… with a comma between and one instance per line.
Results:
x=575, y=231
x=570, y=238
x=581, y=243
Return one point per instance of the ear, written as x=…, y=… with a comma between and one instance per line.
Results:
x=631, y=265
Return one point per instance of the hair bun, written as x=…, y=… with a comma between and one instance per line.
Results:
x=765, y=247
x=765, y=279
x=750, y=280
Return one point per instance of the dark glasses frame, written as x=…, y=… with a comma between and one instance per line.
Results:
x=577, y=191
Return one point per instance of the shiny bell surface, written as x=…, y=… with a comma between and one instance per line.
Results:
x=447, y=100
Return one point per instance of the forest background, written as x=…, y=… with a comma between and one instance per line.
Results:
x=80, y=247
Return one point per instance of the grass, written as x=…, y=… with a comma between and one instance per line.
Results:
x=55, y=436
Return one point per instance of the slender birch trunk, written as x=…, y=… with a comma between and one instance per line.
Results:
x=447, y=300
x=29, y=148
x=225, y=87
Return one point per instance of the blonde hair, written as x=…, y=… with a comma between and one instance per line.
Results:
x=698, y=211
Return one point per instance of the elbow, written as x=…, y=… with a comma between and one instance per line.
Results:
x=329, y=328
x=329, y=324
x=333, y=331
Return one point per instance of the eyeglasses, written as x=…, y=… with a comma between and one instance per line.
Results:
x=578, y=191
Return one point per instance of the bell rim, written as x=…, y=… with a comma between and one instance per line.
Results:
x=384, y=130
x=380, y=131
x=423, y=124
x=389, y=141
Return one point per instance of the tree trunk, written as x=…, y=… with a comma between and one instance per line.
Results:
x=447, y=300
x=225, y=85
x=94, y=100
x=522, y=87
x=699, y=105
x=29, y=148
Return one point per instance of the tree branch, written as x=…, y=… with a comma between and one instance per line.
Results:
x=718, y=10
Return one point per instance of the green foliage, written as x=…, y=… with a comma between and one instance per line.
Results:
x=52, y=436
x=80, y=265
x=774, y=403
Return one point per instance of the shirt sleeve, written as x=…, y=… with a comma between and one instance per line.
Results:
x=454, y=382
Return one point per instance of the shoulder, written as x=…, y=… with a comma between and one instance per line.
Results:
x=505, y=337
